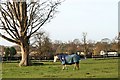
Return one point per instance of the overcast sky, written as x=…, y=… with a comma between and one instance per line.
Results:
x=98, y=18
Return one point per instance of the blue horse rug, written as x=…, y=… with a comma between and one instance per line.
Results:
x=69, y=59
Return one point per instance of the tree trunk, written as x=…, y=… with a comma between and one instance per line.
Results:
x=25, y=61
x=24, y=40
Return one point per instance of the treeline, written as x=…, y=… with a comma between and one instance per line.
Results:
x=42, y=46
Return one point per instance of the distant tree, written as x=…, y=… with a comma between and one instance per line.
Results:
x=106, y=44
x=106, y=40
x=58, y=49
x=114, y=46
x=76, y=41
x=7, y=52
x=47, y=45
x=101, y=46
x=71, y=47
x=12, y=51
x=43, y=44
x=84, y=42
x=97, y=48
x=91, y=45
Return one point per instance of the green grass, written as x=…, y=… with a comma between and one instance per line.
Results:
x=89, y=68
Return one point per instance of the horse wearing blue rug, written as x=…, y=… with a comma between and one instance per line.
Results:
x=68, y=60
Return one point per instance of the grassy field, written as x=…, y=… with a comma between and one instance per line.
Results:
x=89, y=68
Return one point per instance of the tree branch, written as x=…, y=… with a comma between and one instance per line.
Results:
x=8, y=23
x=11, y=40
x=52, y=8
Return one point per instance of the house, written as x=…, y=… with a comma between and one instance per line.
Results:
x=103, y=53
x=109, y=53
x=112, y=53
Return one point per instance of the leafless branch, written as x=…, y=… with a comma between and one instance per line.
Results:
x=21, y=20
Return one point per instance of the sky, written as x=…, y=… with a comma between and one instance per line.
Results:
x=98, y=18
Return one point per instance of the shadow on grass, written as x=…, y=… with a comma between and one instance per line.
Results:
x=37, y=64
x=10, y=61
x=34, y=63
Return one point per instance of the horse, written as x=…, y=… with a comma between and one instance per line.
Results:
x=68, y=59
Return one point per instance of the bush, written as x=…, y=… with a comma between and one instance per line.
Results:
x=10, y=52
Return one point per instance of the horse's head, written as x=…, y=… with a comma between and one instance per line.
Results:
x=55, y=58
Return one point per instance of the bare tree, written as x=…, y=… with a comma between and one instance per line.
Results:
x=85, y=42
x=20, y=20
x=42, y=44
x=106, y=44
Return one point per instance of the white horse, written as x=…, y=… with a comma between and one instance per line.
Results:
x=68, y=60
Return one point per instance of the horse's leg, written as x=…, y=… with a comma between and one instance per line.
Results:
x=75, y=66
x=66, y=66
x=63, y=67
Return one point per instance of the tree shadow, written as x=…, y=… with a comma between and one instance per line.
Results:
x=37, y=64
